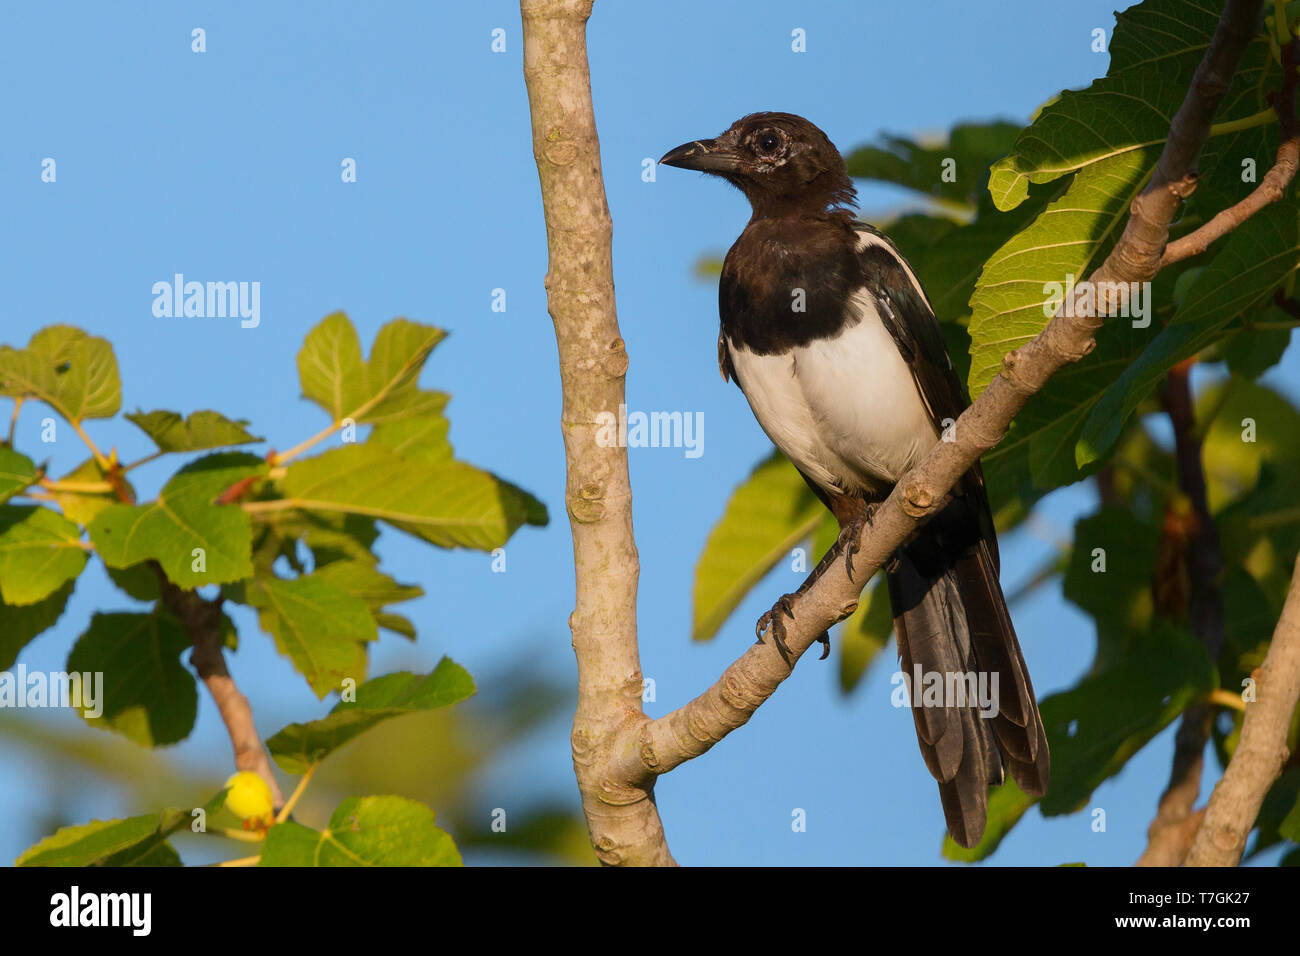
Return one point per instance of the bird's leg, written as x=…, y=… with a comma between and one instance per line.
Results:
x=852, y=513
x=851, y=531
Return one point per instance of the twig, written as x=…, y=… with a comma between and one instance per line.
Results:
x=1262, y=749
x=202, y=622
x=1272, y=187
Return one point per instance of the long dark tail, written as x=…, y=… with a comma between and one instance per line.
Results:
x=951, y=619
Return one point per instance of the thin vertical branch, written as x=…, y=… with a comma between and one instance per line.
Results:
x=621, y=816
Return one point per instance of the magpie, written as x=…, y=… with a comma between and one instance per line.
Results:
x=828, y=333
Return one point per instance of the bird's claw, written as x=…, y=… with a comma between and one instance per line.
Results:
x=852, y=532
x=784, y=605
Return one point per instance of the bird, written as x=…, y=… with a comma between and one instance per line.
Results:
x=828, y=332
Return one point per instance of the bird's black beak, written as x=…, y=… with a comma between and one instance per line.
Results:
x=706, y=155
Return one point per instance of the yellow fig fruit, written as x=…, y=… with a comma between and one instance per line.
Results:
x=249, y=798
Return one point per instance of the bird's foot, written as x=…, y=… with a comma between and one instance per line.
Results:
x=849, y=534
x=785, y=606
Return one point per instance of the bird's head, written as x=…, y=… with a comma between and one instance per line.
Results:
x=781, y=162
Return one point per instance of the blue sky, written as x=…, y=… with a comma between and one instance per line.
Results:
x=225, y=166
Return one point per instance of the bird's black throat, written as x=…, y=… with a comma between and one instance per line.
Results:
x=787, y=280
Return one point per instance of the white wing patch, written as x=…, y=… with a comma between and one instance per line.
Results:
x=845, y=410
x=867, y=239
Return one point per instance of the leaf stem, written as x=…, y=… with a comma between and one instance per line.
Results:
x=13, y=420
x=78, y=487
x=242, y=861
x=143, y=461
x=1227, y=698
x=94, y=449
x=1262, y=118
x=247, y=836
x=296, y=795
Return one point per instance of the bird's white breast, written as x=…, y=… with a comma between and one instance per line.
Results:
x=845, y=410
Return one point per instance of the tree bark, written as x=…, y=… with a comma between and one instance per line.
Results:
x=617, y=751
x=1262, y=749
x=621, y=815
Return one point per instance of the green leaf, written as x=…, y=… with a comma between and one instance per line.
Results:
x=449, y=505
x=1252, y=425
x=1109, y=576
x=1094, y=728
x=1261, y=531
x=183, y=520
x=864, y=635
x=19, y=626
x=363, y=580
x=1251, y=619
x=82, y=507
x=1251, y=352
x=107, y=842
x=203, y=429
x=971, y=147
x=331, y=537
x=335, y=376
x=767, y=515
x=1255, y=258
x=40, y=551
x=67, y=369
x=298, y=746
x=420, y=438
x=950, y=268
x=364, y=831
x=140, y=581
x=147, y=695
x=322, y=628
x=1154, y=51
x=1008, y=307
x=396, y=623
x=1007, y=804
x=16, y=473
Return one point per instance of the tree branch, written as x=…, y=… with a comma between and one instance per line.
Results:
x=618, y=752
x=202, y=622
x=1171, y=832
x=1272, y=187
x=1262, y=749
x=669, y=741
x=621, y=816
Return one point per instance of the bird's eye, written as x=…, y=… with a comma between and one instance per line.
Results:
x=768, y=143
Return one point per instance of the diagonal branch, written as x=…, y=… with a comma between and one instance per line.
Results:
x=1262, y=750
x=202, y=622
x=665, y=743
